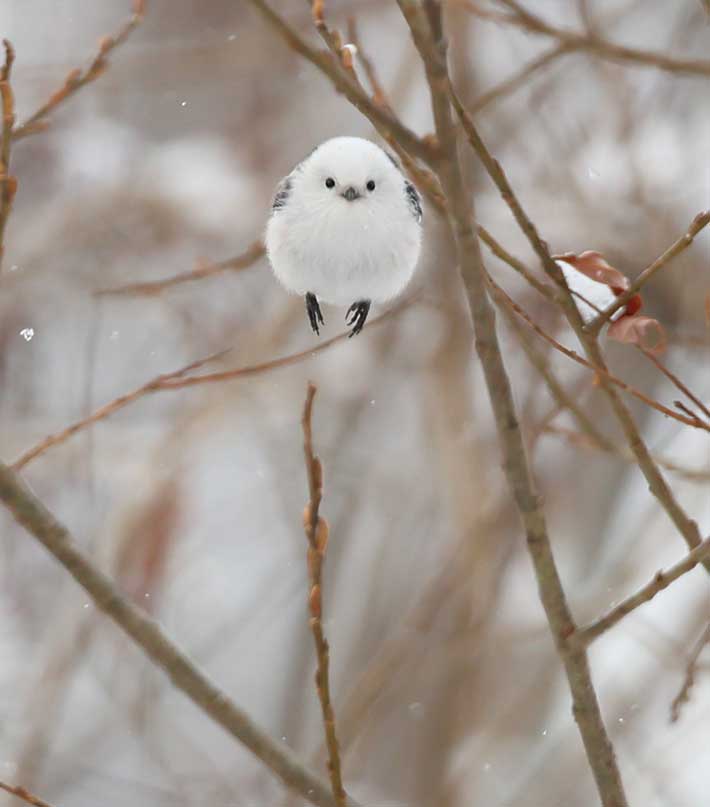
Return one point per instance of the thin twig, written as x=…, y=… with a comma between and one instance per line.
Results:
x=602, y=373
x=243, y=261
x=316, y=529
x=25, y=795
x=177, y=380
x=379, y=96
x=683, y=695
x=697, y=224
x=109, y=409
x=656, y=481
x=564, y=400
x=586, y=635
x=77, y=78
x=582, y=439
x=426, y=26
x=147, y=634
x=518, y=79
x=676, y=381
x=592, y=43
x=8, y=183
x=383, y=120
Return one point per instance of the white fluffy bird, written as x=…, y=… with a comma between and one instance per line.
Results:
x=345, y=228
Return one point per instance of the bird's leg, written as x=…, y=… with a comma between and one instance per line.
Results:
x=314, y=313
x=357, y=314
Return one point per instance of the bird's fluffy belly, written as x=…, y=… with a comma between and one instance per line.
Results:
x=341, y=264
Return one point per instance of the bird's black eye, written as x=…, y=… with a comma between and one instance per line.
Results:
x=371, y=185
x=330, y=182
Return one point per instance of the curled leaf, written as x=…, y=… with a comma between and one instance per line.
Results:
x=638, y=329
x=596, y=284
x=594, y=265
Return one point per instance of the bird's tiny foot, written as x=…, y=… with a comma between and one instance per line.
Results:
x=314, y=313
x=357, y=314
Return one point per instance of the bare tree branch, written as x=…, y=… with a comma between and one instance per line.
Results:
x=602, y=373
x=247, y=258
x=426, y=27
x=78, y=78
x=8, y=183
x=683, y=695
x=29, y=511
x=381, y=118
x=586, y=635
x=316, y=529
x=583, y=440
x=657, y=483
x=23, y=794
x=178, y=379
x=697, y=224
x=592, y=43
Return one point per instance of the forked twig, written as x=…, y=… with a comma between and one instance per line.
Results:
x=179, y=379
x=78, y=78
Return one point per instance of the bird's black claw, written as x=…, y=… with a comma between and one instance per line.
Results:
x=315, y=315
x=357, y=314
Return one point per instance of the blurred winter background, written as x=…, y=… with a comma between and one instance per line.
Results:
x=446, y=684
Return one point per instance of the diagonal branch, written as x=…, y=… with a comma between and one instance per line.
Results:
x=146, y=633
x=25, y=795
x=243, y=261
x=179, y=379
x=520, y=17
x=78, y=78
x=697, y=224
x=586, y=635
x=383, y=120
x=656, y=481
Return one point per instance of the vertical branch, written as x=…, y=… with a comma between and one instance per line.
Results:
x=427, y=34
x=8, y=184
x=317, y=534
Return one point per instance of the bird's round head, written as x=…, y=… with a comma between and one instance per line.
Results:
x=350, y=170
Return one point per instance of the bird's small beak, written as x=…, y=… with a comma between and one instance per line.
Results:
x=350, y=194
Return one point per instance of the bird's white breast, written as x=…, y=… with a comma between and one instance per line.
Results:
x=344, y=251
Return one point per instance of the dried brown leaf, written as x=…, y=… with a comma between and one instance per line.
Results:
x=594, y=265
x=640, y=330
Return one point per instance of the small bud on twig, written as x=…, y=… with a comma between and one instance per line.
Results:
x=314, y=602
x=347, y=55
x=322, y=532
x=317, y=10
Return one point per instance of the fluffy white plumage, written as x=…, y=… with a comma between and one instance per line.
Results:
x=345, y=226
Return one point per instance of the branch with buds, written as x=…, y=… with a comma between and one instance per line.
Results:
x=316, y=528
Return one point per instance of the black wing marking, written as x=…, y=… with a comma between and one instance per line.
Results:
x=413, y=200
x=283, y=191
